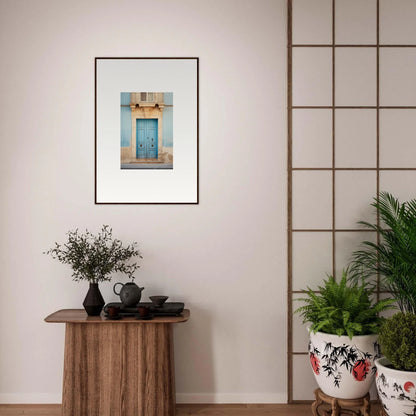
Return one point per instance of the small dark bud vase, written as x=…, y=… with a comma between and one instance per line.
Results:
x=94, y=301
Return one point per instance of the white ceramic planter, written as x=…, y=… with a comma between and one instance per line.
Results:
x=397, y=389
x=343, y=367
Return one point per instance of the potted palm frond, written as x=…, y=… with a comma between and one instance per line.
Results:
x=344, y=325
x=393, y=258
x=94, y=258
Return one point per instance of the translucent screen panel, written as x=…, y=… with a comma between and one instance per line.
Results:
x=312, y=138
x=397, y=22
x=355, y=22
x=300, y=332
x=355, y=84
x=346, y=243
x=355, y=138
x=312, y=87
x=354, y=192
x=312, y=200
x=397, y=76
x=398, y=138
x=312, y=21
x=304, y=382
x=401, y=183
x=352, y=112
x=312, y=258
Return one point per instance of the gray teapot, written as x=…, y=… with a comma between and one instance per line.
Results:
x=130, y=293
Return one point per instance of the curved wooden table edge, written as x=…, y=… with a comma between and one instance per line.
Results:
x=79, y=316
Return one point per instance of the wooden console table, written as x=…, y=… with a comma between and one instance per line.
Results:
x=117, y=368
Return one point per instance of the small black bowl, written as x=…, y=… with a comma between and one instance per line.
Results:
x=158, y=301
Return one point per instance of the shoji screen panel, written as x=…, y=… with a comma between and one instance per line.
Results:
x=351, y=134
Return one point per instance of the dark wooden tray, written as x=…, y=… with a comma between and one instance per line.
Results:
x=168, y=308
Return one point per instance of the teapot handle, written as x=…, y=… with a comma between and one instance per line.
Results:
x=114, y=288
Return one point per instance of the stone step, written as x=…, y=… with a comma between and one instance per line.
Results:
x=147, y=161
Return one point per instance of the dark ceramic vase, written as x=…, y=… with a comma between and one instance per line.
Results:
x=94, y=301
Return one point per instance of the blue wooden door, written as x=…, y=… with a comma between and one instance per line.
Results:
x=146, y=138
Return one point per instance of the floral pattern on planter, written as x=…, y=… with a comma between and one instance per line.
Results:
x=343, y=367
x=396, y=391
x=408, y=386
x=333, y=358
x=361, y=369
x=315, y=363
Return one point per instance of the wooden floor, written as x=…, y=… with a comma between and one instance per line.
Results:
x=184, y=410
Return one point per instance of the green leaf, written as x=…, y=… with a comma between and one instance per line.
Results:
x=96, y=257
x=393, y=258
x=343, y=308
x=398, y=341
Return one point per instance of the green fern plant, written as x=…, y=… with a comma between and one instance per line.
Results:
x=343, y=308
x=394, y=257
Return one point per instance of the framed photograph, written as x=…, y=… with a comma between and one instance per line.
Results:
x=146, y=130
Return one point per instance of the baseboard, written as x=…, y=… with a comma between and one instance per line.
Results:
x=208, y=398
x=181, y=398
x=41, y=398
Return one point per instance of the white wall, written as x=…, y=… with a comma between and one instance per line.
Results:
x=226, y=257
